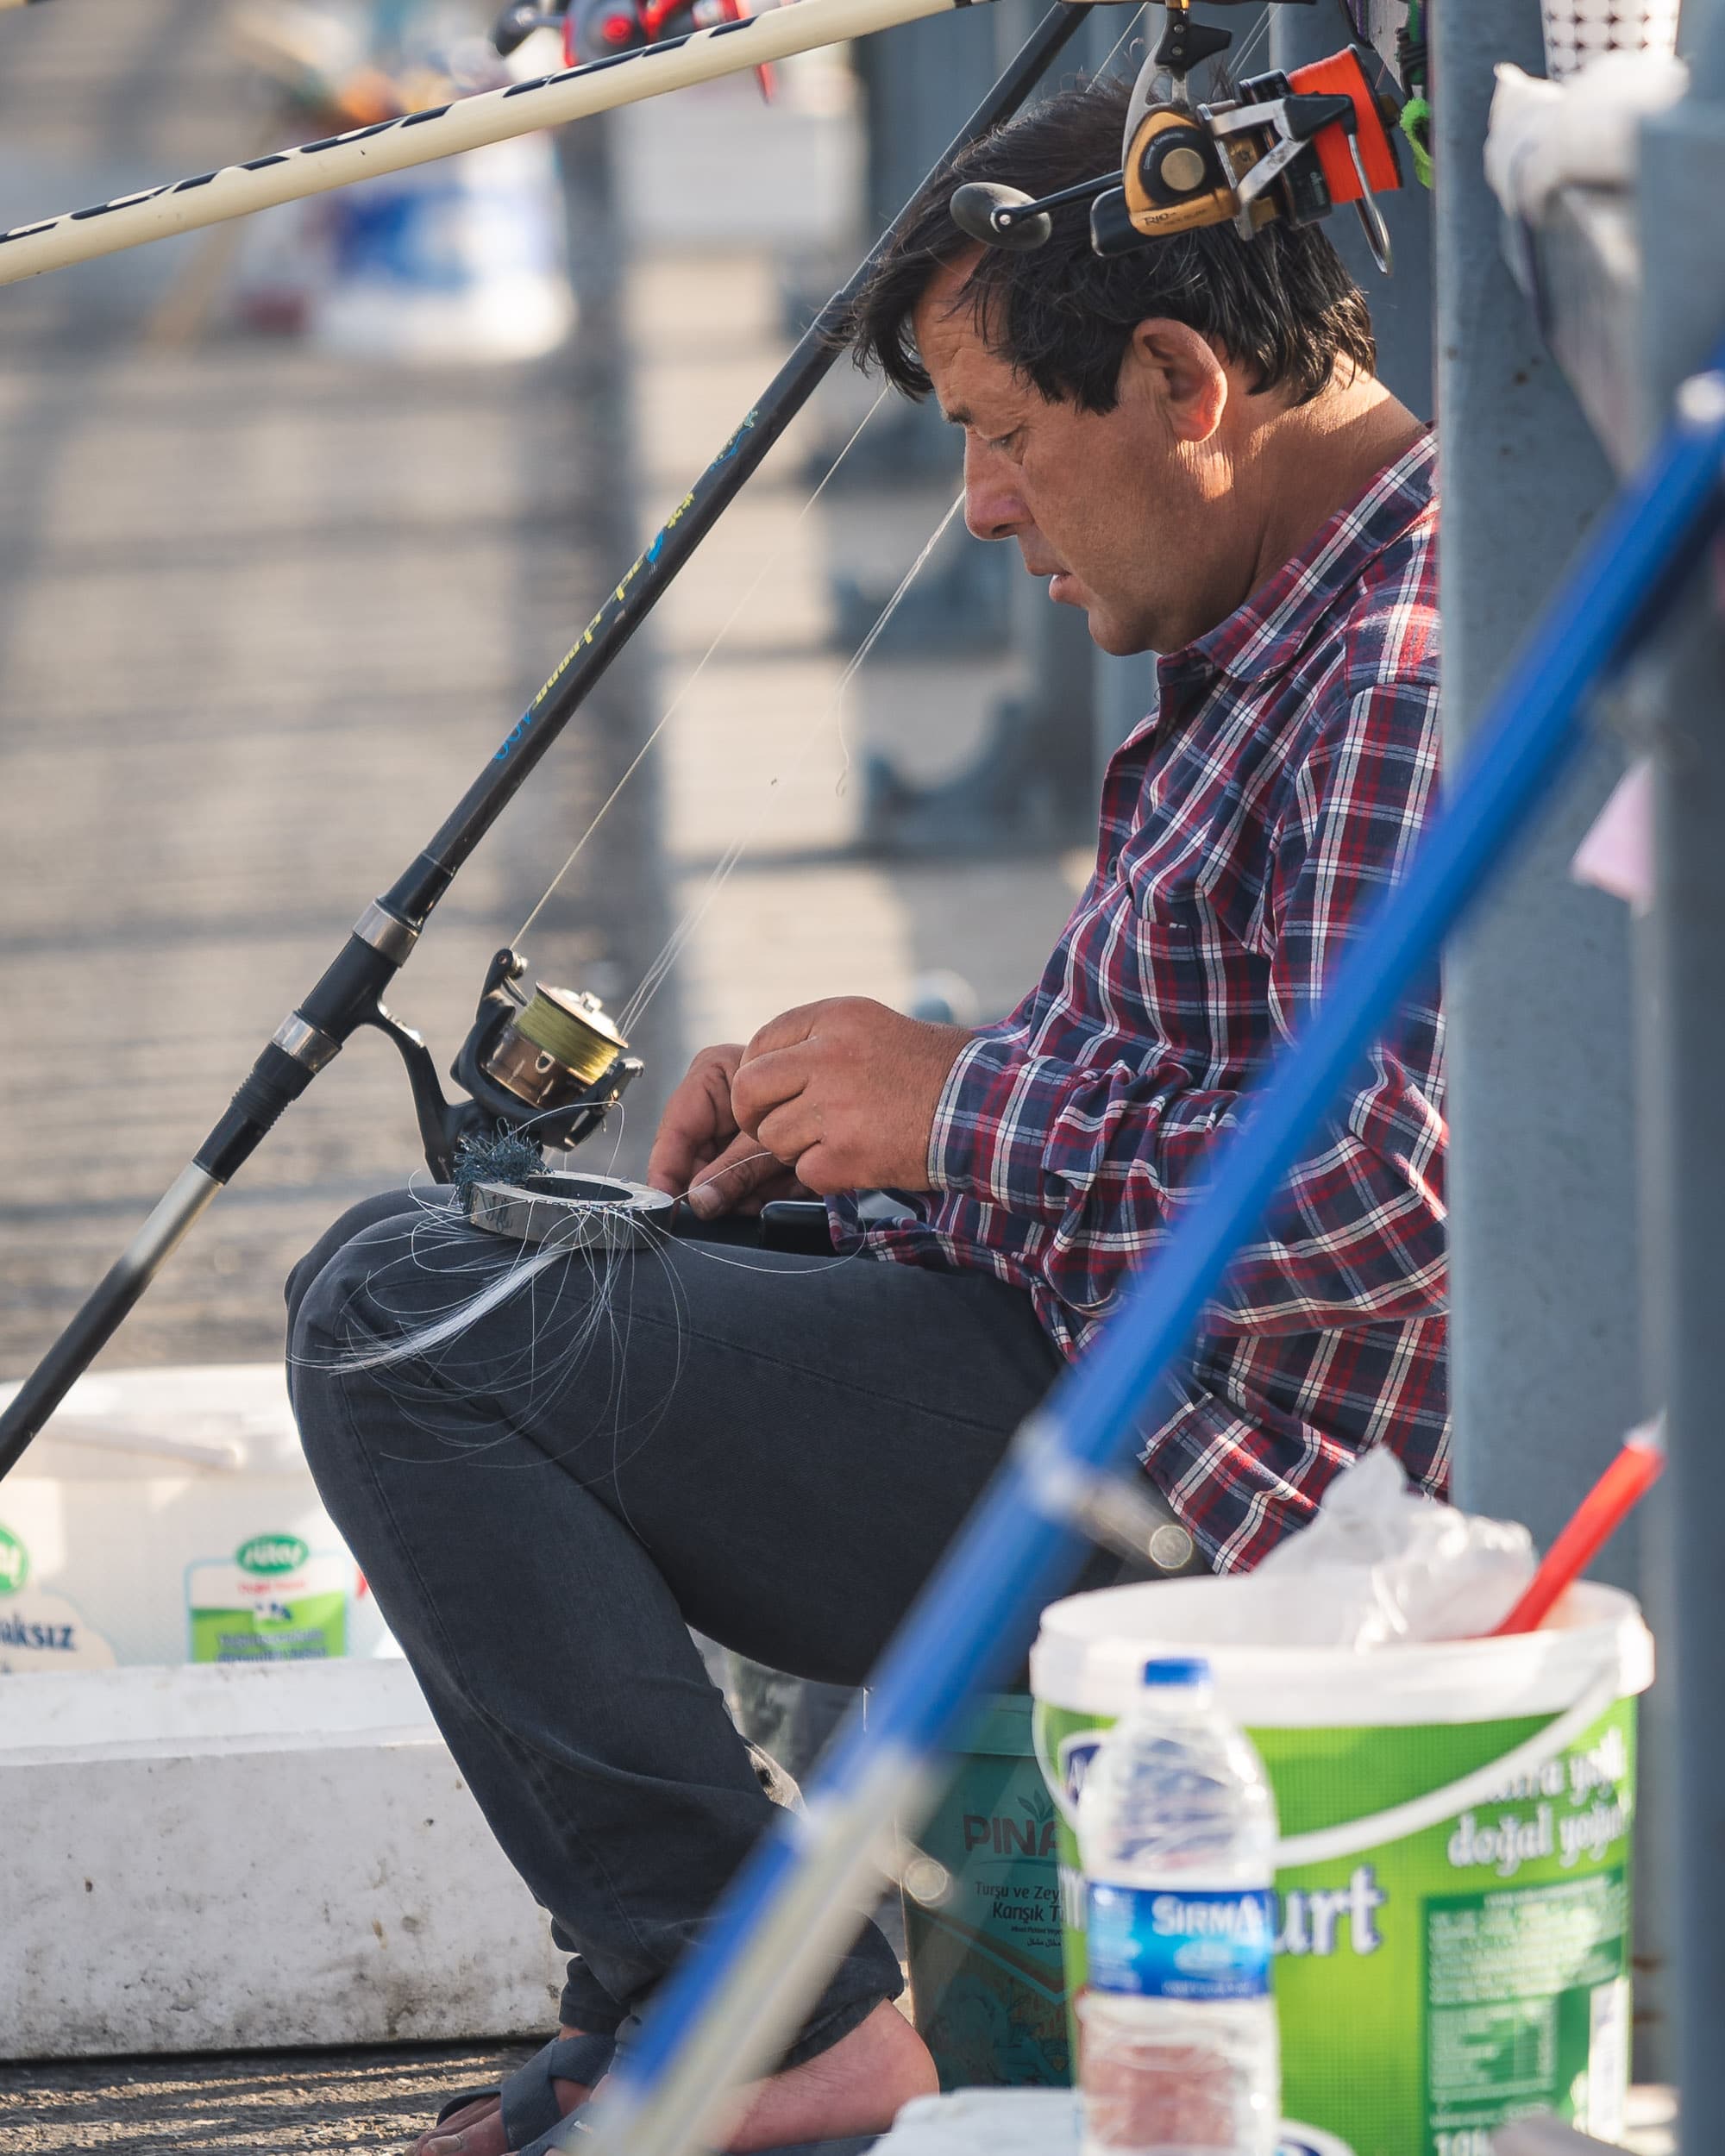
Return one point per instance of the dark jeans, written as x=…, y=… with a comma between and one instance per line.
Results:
x=772, y=1448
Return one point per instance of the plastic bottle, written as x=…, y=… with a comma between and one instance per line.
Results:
x=1177, y=1832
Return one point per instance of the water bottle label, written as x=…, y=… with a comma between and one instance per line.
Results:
x=1156, y=1944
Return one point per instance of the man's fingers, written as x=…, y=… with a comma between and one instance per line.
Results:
x=789, y=1130
x=673, y=1161
x=821, y=1173
x=697, y=1124
x=677, y=1158
x=719, y=1187
x=759, y=1087
x=783, y=1031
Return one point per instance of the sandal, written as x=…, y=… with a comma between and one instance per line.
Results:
x=529, y=2101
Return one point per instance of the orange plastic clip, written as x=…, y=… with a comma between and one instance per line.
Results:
x=1342, y=76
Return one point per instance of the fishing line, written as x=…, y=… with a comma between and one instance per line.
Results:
x=1237, y=61
x=1133, y=25
x=448, y=1227
x=678, y=939
x=522, y=1268
x=772, y=562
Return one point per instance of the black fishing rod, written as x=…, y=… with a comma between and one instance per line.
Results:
x=554, y=1064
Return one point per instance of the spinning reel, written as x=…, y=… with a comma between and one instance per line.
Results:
x=1285, y=145
x=547, y=1068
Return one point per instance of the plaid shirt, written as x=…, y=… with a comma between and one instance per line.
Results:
x=1247, y=830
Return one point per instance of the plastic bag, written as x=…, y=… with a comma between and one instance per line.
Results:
x=1383, y=1562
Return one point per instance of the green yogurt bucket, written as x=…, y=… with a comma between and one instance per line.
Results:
x=986, y=1953
x=1454, y=1874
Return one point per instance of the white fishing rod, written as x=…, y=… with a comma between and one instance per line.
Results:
x=418, y=138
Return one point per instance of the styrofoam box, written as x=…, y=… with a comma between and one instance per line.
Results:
x=168, y=1515
x=219, y=1858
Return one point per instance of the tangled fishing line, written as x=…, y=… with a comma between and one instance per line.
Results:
x=437, y=1239
x=559, y=1342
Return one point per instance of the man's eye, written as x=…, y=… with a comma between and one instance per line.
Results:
x=1003, y=441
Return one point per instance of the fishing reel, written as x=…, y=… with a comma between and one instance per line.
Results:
x=548, y=1068
x=1285, y=145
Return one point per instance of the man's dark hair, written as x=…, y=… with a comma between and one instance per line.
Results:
x=1280, y=303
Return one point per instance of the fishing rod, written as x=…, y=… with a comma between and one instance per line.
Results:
x=554, y=1062
x=649, y=70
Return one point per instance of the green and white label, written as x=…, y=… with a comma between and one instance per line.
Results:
x=273, y=1601
x=1432, y=1989
x=271, y=1555
x=1519, y=1984
x=14, y=1563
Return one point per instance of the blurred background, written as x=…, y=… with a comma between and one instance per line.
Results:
x=300, y=510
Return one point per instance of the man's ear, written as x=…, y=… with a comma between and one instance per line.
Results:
x=1182, y=372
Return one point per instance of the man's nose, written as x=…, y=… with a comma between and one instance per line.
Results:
x=994, y=508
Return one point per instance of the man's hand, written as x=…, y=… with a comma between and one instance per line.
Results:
x=699, y=1154
x=844, y=1091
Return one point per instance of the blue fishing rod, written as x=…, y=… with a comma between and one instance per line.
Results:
x=729, y=2008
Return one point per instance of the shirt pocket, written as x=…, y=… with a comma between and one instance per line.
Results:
x=1172, y=988
x=1204, y=996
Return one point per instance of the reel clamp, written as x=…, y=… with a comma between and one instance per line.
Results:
x=1287, y=146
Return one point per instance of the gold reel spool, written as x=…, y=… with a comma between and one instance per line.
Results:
x=558, y=1049
x=1177, y=177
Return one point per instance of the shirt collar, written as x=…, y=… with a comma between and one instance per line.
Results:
x=1268, y=632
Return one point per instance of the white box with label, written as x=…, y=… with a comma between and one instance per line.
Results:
x=167, y=1516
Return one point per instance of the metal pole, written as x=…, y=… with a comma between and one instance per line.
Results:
x=1681, y=699
x=1545, y=1345
x=390, y=146
x=1544, y=1363
x=382, y=939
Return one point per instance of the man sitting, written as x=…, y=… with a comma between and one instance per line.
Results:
x=1189, y=443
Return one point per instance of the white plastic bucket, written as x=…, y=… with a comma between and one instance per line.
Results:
x=168, y=1516
x=1453, y=1871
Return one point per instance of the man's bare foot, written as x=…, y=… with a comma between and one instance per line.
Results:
x=857, y=2087
x=477, y=2129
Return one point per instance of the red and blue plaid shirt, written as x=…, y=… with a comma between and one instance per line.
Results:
x=1247, y=830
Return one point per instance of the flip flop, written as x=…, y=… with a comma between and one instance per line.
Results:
x=529, y=2103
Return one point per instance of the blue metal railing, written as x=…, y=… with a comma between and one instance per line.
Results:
x=785, y=1920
